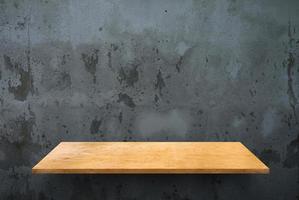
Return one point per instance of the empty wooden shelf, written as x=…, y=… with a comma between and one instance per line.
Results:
x=150, y=158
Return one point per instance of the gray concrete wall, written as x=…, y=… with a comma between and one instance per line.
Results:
x=155, y=70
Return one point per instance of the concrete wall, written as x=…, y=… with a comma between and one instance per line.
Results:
x=155, y=70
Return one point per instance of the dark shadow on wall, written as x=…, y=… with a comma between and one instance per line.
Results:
x=132, y=186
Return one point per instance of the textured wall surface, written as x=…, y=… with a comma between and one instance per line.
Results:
x=155, y=70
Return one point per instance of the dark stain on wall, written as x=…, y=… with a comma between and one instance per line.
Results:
x=129, y=75
x=290, y=65
x=64, y=80
x=160, y=84
x=109, y=59
x=91, y=60
x=179, y=64
x=21, y=90
x=95, y=126
x=120, y=117
x=292, y=155
x=126, y=99
x=18, y=150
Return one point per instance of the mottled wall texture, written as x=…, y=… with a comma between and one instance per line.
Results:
x=152, y=70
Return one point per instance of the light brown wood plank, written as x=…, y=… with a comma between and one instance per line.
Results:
x=150, y=158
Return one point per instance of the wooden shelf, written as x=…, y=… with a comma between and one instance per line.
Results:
x=150, y=158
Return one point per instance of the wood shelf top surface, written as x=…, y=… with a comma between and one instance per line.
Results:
x=150, y=158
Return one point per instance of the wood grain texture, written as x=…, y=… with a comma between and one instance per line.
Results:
x=150, y=158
